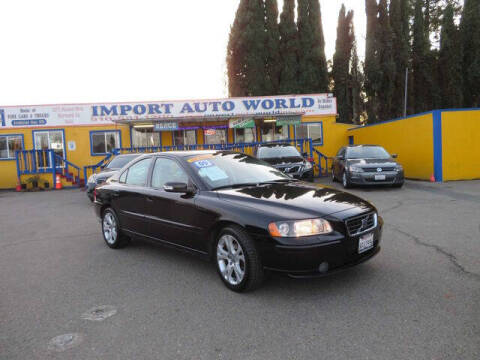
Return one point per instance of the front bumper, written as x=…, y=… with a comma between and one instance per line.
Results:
x=337, y=253
x=368, y=178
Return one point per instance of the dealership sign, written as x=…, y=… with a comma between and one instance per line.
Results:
x=89, y=114
x=241, y=123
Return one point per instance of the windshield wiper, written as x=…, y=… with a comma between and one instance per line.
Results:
x=233, y=186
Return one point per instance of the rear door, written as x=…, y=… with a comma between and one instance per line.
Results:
x=129, y=199
x=173, y=217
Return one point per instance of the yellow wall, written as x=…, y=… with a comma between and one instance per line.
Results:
x=461, y=145
x=411, y=139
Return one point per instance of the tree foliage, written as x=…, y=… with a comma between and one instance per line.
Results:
x=289, y=48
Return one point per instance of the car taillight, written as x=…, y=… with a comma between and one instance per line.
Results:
x=94, y=194
x=310, y=159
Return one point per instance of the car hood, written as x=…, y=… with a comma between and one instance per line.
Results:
x=296, y=200
x=372, y=162
x=284, y=160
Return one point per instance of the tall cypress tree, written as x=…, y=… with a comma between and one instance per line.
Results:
x=246, y=50
x=272, y=47
x=449, y=66
x=372, y=68
x=470, y=38
x=419, y=60
x=386, y=62
x=313, y=73
x=289, y=48
x=399, y=21
x=356, y=81
x=341, y=65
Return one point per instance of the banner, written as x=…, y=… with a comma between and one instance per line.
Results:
x=289, y=120
x=166, y=125
x=241, y=123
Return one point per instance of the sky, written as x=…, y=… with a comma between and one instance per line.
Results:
x=60, y=51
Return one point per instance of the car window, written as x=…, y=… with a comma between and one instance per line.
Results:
x=277, y=152
x=167, y=170
x=137, y=173
x=341, y=152
x=123, y=177
x=367, y=152
x=120, y=161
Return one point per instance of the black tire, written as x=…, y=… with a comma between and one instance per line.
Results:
x=334, y=179
x=253, y=269
x=345, y=180
x=120, y=240
x=399, y=185
x=90, y=197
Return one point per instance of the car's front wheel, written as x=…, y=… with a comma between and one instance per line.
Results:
x=237, y=260
x=112, y=234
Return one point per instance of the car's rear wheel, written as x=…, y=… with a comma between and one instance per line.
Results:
x=237, y=260
x=345, y=181
x=111, y=231
x=334, y=179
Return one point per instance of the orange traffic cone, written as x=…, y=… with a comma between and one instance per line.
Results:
x=58, y=182
x=19, y=187
x=432, y=178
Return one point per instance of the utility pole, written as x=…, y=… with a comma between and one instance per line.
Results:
x=406, y=93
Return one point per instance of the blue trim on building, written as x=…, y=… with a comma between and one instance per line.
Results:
x=2, y=117
x=437, y=146
x=48, y=130
x=91, y=132
x=11, y=135
x=131, y=139
x=392, y=120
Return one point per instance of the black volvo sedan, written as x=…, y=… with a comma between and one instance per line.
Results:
x=239, y=212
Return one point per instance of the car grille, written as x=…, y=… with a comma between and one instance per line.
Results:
x=362, y=223
x=374, y=169
x=292, y=169
x=100, y=181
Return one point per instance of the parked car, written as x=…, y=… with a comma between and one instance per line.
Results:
x=287, y=159
x=115, y=164
x=239, y=212
x=366, y=165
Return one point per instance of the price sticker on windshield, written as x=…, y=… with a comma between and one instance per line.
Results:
x=203, y=163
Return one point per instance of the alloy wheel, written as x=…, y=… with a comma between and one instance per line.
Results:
x=109, y=228
x=344, y=180
x=231, y=259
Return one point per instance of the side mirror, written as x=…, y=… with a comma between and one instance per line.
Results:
x=394, y=156
x=340, y=157
x=177, y=187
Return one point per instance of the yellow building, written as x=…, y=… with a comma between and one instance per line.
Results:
x=80, y=135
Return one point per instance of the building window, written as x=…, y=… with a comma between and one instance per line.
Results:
x=49, y=139
x=215, y=136
x=310, y=130
x=103, y=142
x=145, y=137
x=184, y=137
x=9, y=144
x=272, y=132
x=246, y=135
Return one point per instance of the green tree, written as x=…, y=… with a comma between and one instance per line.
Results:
x=399, y=22
x=313, y=73
x=449, y=66
x=356, y=82
x=246, y=52
x=289, y=48
x=386, y=63
x=421, y=72
x=470, y=39
x=272, y=48
x=372, y=67
x=341, y=65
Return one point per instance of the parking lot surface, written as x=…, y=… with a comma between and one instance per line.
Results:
x=418, y=299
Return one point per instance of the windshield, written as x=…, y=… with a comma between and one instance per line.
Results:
x=225, y=169
x=367, y=152
x=277, y=152
x=120, y=161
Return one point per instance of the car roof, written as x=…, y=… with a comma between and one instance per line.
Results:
x=274, y=144
x=363, y=145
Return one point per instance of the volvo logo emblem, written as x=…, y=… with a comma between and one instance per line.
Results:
x=364, y=224
x=379, y=169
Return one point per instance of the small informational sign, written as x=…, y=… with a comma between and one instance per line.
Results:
x=72, y=145
x=289, y=120
x=165, y=126
x=210, y=132
x=242, y=123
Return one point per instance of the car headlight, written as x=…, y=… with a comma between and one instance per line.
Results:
x=308, y=165
x=399, y=167
x=299, y=228
x=353, y=168
x=91, y=179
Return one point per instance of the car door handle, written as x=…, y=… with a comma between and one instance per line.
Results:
x=149, y=198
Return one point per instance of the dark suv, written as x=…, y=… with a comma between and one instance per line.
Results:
x=286, y=158
x=366, y=165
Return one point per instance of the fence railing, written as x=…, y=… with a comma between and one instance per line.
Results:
x=92, y=169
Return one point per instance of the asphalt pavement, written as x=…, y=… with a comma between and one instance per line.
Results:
x=65, y=295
